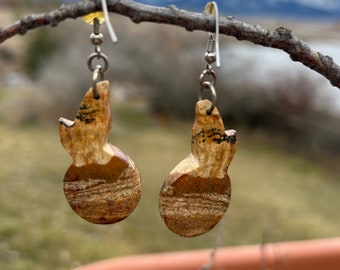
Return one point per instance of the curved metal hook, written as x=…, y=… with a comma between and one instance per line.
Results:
x=112, y=33
x=210, y=86
x=97, y=74
x=212, y=9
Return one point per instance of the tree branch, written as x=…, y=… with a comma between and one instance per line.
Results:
x=281, y=38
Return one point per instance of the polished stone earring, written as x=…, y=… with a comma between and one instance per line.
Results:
x=196, y=193
x=102, y=185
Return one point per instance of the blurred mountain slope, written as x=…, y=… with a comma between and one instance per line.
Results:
x=280, y=8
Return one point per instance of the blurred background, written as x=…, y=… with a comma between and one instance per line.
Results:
x=285, y=176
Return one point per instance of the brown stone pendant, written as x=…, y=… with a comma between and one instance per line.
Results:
x=196, y=194
x=102, y=185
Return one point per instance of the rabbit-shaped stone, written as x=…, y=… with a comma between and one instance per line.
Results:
x=196, y=194
x=102, y=185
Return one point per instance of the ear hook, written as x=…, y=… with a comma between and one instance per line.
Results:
x=102, y=16
x=212, y=9
x=112, y=33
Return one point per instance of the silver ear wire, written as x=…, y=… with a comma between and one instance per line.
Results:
x=213, y=47
x=112, y=33
x=212, y=55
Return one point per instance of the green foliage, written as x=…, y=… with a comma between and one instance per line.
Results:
x=40, y=49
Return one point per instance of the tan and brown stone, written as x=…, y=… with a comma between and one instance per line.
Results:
x=103, y=184
x=197, y=192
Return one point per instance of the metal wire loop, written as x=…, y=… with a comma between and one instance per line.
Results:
x=210, y=86
x=108, y=22
x=213, y=47
x=205, y=73
x=97, y=76
x=98, y=56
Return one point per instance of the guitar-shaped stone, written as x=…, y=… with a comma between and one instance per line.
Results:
x=196, y=194
x=102, y=185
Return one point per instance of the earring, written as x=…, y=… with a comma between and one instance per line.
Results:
x=102, y=185
x=196, y=194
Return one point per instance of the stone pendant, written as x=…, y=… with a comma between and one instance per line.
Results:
x=102, y=185
x=196, y=194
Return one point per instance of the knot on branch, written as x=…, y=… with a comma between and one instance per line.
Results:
x=25, y=24
x=173, y=9
x=284, y=32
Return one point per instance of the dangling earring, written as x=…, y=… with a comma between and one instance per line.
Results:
x=102, y=185
x=197, y=192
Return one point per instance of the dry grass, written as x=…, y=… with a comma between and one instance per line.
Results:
x=274, y=192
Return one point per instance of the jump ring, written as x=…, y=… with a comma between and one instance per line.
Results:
x=96, y=74
x=98, y=56
x=204, y=74
x=211, y=87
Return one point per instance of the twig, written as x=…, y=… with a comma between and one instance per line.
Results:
x=281, y=38
x=219, y=239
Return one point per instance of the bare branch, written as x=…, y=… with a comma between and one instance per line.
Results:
x=281, y=38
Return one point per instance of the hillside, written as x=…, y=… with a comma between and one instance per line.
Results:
x=276, y=196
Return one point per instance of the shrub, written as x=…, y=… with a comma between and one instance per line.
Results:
x=165, y=65
x=39, y=51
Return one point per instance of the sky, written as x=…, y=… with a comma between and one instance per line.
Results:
x=324, y=4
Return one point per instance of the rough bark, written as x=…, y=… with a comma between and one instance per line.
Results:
x=280, y=38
